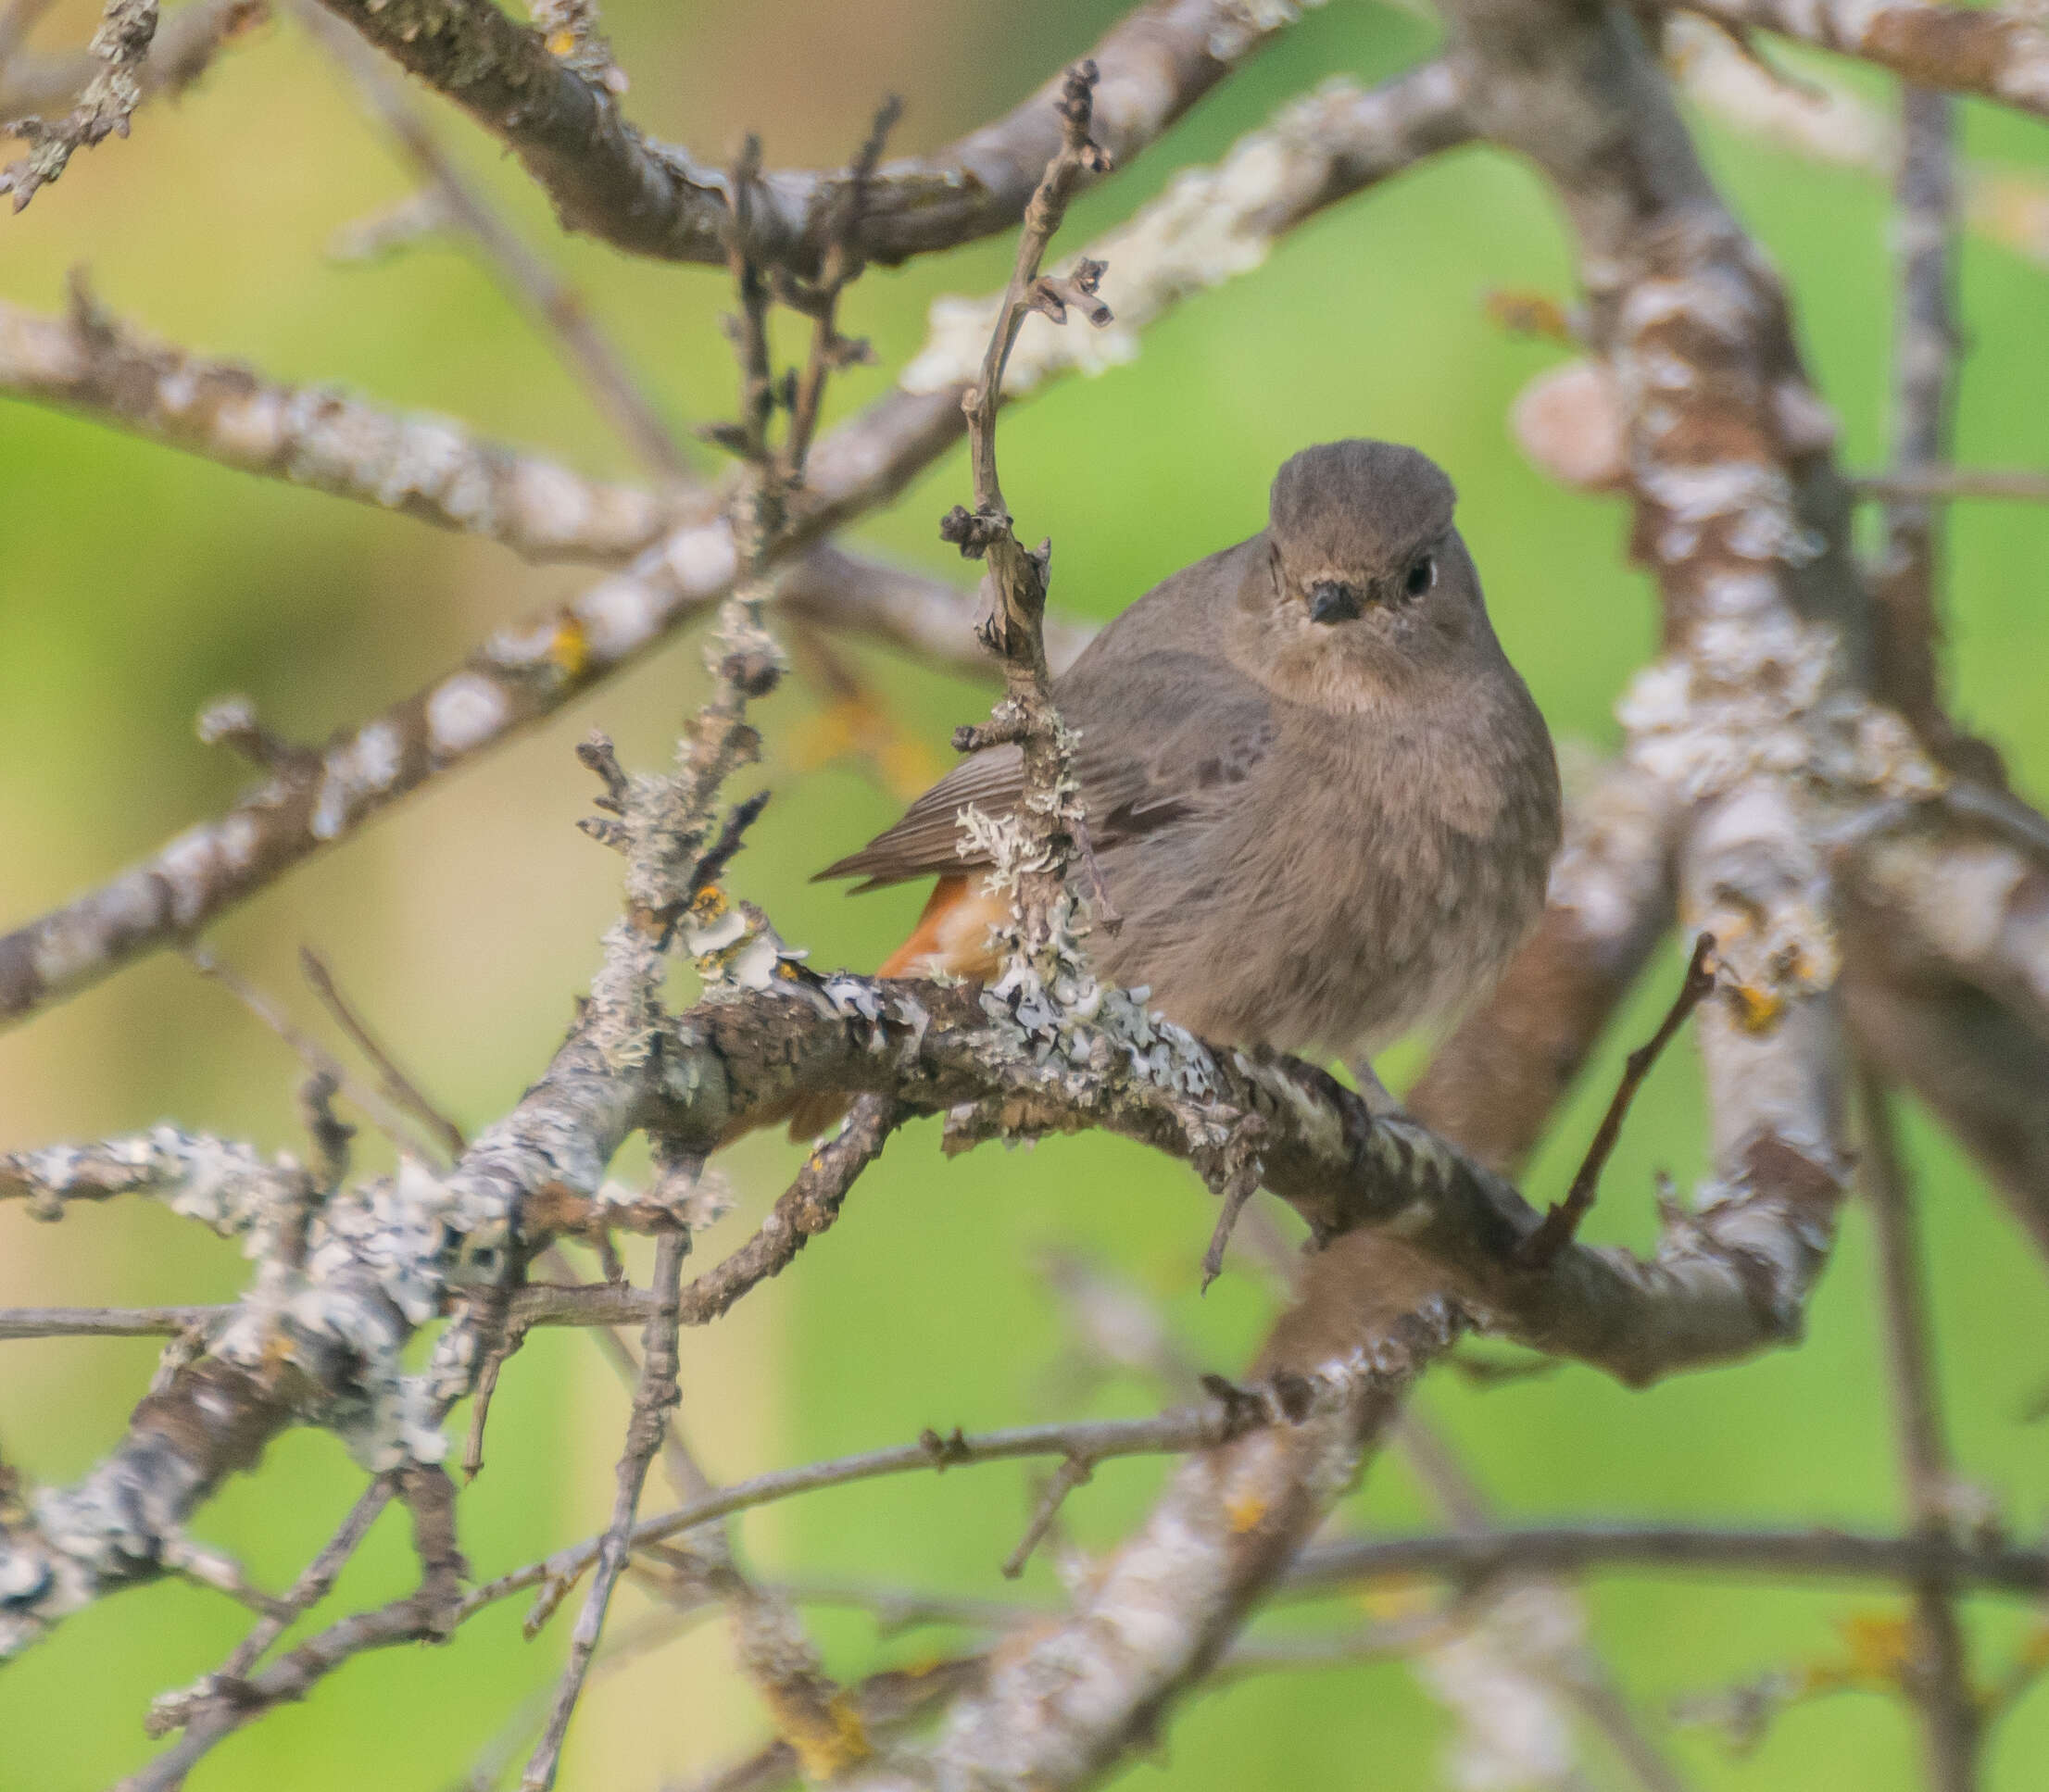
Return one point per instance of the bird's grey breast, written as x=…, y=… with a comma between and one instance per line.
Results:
x=1368, y=872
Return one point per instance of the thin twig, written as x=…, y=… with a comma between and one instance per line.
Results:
x=429, y=1615
x=549, y=299
x=656, y=1394
x=807, y=1208
x=1938, y=1676
x=1991, y=1564
x=1586, y=1681
x=173, y=1711
x=386, y=1116
x=1561, y=1223
x=1071, y=1474
x=829, y=350
x=1012, y=625
x=401, y=1088
x=536, y=1303
x=1905, y=586
x=1170, y=1433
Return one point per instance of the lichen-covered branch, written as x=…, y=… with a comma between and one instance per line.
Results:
x=435, y=470
x=187, y=39
x=652, y=198
x=103, y=110
x=1049, y=827
x=2000, y=54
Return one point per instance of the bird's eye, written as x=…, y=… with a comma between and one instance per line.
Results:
x=1422, y=576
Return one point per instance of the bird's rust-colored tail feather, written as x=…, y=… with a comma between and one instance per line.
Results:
x=952, y=935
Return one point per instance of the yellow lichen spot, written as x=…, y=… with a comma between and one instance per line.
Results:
x=708, y=905
x=1878, y=1647
x=569, y=646
x=562, y=44
x=786, y=970
x=831, y=1742
x=1756, y=1009
x=1244, y=1511
x=1390, y=1601
x=1529, y=314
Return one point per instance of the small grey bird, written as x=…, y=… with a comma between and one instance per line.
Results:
x=1321, y=797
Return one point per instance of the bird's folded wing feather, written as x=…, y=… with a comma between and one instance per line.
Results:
x=1164, y=738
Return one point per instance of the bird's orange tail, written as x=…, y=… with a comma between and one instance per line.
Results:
x=952, y=935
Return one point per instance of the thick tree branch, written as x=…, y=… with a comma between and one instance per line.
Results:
x=651, y=198
x=426, y=466
x=2001, y=54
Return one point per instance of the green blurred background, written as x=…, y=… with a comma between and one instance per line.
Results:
x=137, y=584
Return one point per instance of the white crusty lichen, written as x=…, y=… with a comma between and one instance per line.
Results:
x=1211, y=225
x=223, y=1183
x=1073, y=1026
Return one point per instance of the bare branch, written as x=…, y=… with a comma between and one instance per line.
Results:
x=398, y=1088
x=1561, y=1223
x=1905, y=586
x=807, y=1208
x=2003, y=54
x=390, y=1118
x=174, y=1710
x=426, y=1617
x=1073, y=1472
x=536, y=1303
x=106, y=1321
x=651, y=198
x=428, y=468
x=1963, y=1052
x=652, y=1399
x=187, y=41
x=103, y=108
x=1170, y=1433
x=1557, y=1657
x=1939, y=1676
x=1061, y=1708
x=1678, y=1548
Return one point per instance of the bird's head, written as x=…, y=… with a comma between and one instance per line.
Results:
x=1367, y=577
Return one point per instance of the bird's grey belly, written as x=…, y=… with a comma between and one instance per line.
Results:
x=1336, y=951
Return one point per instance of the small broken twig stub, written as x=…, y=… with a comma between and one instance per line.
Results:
x=1561, y=1223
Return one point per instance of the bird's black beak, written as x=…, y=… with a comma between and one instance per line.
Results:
x=1331, y=602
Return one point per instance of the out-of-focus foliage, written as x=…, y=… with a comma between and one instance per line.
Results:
x=134, y=584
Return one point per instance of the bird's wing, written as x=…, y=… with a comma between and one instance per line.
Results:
x=1163, y=737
